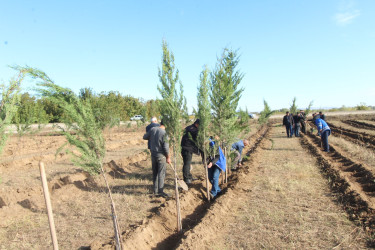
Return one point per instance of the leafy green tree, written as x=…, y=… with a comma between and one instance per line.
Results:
x=204, y=116
x=170, y=109
x=30, y=112
x=265, y=113
x=293, y=107
x=225, y=95
x=87, y=138
x=9, y=104
x=152, y=108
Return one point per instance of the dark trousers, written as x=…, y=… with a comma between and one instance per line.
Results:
x=186, y=157
x=158, y=172
x=325, y=135
x=289, y=130
x=303, y=127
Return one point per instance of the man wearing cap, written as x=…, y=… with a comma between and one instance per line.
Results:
x=188, y=147
x=323, y=130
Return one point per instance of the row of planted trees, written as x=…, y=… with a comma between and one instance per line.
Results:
x=218, y=97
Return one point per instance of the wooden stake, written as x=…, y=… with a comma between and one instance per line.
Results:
x=206, y=170
x=49, y=206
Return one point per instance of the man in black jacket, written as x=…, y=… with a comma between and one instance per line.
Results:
x=188, y=147
x=288, y=122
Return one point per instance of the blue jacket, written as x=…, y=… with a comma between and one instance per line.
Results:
x=322, y=125
x=238, y=146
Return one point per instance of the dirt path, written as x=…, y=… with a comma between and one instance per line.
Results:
x=280, y=201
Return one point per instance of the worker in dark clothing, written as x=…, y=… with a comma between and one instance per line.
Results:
x=154, y=123
x=322, y=116
x=303, y=121
x=159, y=148
x=188, y=147
x=288, y=122
x=297, y=124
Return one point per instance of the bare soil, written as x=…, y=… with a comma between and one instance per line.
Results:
x=288, y=194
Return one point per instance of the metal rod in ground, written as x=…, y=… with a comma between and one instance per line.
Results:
x=49, y=206
x=179, y=223
x=206, y=171
x=116, y=227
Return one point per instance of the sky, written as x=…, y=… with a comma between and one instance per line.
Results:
x=321, y=51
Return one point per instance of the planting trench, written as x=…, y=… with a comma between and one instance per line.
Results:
x=360, y=138
x=352, y=180
x=359, y=124
x=159, y=229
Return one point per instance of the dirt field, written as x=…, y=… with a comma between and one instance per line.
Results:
x=288, y=194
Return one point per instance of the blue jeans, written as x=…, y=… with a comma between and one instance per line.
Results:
x=213, y=176
x=325, y=135
x=289, y=130
x=297, y=129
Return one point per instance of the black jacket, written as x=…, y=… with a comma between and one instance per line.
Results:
x=188, y=141
x=288, y=120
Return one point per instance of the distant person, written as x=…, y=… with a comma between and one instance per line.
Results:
x=188, y=147
x=154, y=123
x=322, y=116
x=297, y=124
x=237, y=148
x=216, y=162
x=303, y=121
x=288, y=122
x=159, y=148
x=323, y=130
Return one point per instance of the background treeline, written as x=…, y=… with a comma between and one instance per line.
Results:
x=109, y=107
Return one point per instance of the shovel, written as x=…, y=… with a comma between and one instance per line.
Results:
x=182, y=184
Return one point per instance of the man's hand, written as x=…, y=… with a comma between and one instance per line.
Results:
x=168, y=160
x=209, y=165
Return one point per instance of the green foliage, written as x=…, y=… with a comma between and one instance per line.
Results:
x=204, y=108
x=362, y=106
x=173, y=100
x=308, y=109
x=9, y=104
x=225, y=95
x=293, y=107
x=152, y=108
x=265, y=114
x=30, y=112
x=86, y=136
x=243, y=120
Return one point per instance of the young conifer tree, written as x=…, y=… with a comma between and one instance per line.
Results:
x=10, y=97
x=293, y=107
x=171, y=109
x=87, y=138
x=204, y=116
x=265, y=114
x=225, y=95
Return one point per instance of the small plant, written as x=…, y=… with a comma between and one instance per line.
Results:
x=265, y=114
x=87, y=138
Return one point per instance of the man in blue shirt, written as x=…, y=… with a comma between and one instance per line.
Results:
x=237, y=148
x=323, y=130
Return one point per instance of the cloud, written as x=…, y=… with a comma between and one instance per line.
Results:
x=343, y=19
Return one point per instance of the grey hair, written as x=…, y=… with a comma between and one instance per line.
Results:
x=154, y=119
